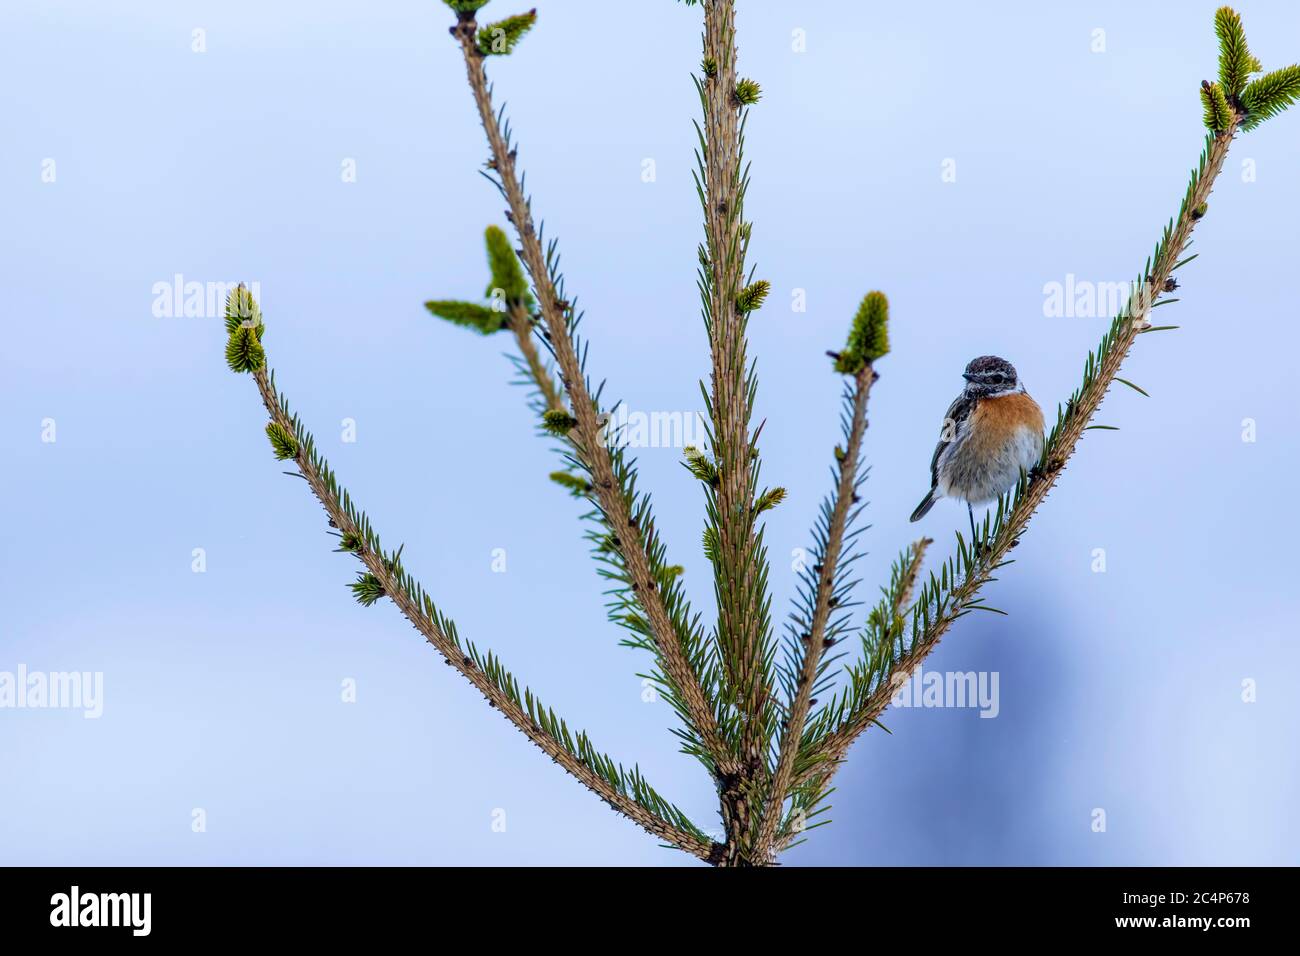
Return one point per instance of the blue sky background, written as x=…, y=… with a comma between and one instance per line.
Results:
x=1119, y=690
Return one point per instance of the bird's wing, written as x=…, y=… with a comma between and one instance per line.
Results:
x=957, y=412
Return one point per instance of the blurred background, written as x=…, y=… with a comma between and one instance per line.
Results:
x=961, y=158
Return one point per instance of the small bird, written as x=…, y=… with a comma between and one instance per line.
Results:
x=992, y=432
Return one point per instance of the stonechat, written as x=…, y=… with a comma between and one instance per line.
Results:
x=992, y=432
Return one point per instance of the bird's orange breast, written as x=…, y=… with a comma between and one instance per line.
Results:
x=994, y=421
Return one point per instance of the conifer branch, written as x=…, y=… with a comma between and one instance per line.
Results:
x=1218, y=112
x=550, y=395
x=914, y=557
x=1236, y=62
x=508, y=279
x=501, y=38
x=470, y=315
x=744, y=632
x=893, y=647
x=1269, y=95
x=672, y=634
x=625, y=791
x=509, y=286
x=814, y=633
x=511, y=307
x=816, y=762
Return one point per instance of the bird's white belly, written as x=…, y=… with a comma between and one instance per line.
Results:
x=980, y=475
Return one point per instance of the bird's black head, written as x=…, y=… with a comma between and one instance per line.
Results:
x=990, y=375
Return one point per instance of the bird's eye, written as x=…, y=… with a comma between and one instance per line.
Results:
x=998, y=379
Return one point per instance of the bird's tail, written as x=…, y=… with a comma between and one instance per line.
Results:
x=926, y=504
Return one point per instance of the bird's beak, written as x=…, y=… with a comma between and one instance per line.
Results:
x=968, y=377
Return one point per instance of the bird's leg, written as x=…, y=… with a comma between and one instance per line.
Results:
x=975, y=543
